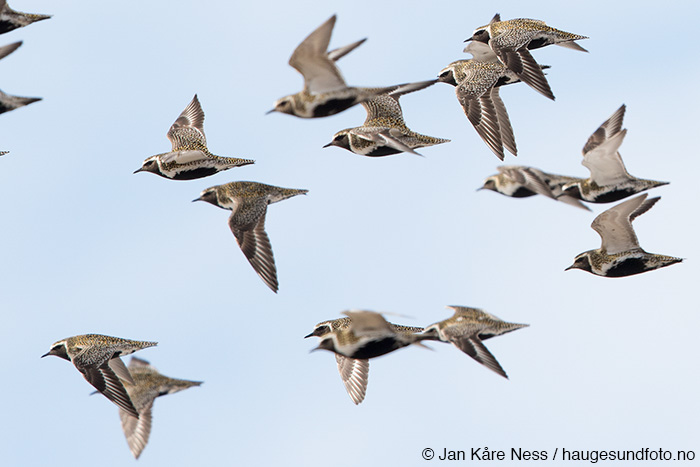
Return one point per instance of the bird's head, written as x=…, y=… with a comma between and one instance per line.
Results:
x=583, y=262
x=209, y=195
x=59, y=349
x=340, y=139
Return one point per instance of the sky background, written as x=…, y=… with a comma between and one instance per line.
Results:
x=90, y=247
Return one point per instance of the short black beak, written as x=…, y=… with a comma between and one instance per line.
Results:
x=140, y=169
x=328, y=145
x=269, y=111
x=310, y=335
x=46, y=354
x=467, y=40
x=198, y=199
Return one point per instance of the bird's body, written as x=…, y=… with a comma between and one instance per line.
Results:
x=384, y=131
x=325, y=92
x=476, y=85
x=368, y=335
x=620, y=254
x=189, y=158
x=353, y=371
x=512, y=40
x=97, y=357
x=609, y=180
x=248, y=202
x=148, y=384
x=467, y=328
x=523, y=182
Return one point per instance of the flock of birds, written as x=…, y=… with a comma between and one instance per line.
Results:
x=9, y=21
x=501, y=55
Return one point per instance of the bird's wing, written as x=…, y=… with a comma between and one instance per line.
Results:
x=340, y=52
x=504, y=122
x=472, y=346
x=480, y=51
x=524, y=65
x=615, y=225
x=8, y=49
x=606, y=130
x=604, y=161
x=108, y=383
x=380, y=108
x=482, y=114
x=311, y=59
x=367, y=322
x=189, y=126
x=386, y=137
x=528, y=178
x=256, y=247
x=137, y=430
x=354, y=373
x=119, y=369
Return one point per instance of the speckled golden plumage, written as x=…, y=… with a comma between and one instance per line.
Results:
x=384, y=131
x=189, y=158
x=11, y=19
x=620, y=254
x=96, y=356
x=467, y=328
x=354, y=372
x=248, y=202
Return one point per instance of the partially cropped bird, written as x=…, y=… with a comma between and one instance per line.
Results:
x=6, y=50
x=619, y=254
x=148, y=384
x=8, y=102
x=97, y=357
x=325, y=91
x=248, y=202
x=609, y=180
x=521, y=182
x=467, y=328
x=353, y=371
x=512, y=41
x=11, y=19
x=384, y=131
x=189, y=158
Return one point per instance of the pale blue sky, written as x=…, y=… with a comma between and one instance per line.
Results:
x=90, y=247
